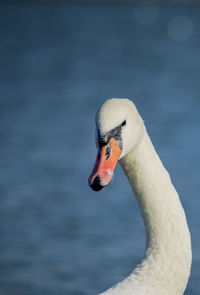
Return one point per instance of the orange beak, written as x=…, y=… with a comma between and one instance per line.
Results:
x=107, y=157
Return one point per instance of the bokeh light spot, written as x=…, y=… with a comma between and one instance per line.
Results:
x=180, y=28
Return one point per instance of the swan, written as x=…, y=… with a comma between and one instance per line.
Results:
x=121, y=135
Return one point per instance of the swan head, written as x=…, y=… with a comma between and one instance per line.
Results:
x=119, y=129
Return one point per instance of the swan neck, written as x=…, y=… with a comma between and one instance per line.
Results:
x=167, y=236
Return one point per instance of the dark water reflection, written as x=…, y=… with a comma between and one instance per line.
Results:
x=58, y=64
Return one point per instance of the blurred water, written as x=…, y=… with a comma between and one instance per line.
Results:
x=58, y=65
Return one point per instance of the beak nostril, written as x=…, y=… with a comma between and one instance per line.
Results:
x=108, y=150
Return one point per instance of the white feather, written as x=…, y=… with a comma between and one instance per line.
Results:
x=166, y=267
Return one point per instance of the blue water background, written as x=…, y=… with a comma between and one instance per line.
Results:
x=59, y=63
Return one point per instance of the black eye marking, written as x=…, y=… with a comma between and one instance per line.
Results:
x=108, y=149
x=103, y=140
x=124, y=123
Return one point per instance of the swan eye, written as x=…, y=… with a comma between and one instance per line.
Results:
x=124, y=123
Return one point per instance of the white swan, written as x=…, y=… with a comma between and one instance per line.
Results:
x=121, y=135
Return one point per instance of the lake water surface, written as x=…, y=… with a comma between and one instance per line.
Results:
x=59, y=63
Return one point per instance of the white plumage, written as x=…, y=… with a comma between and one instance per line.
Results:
x=166, y=267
